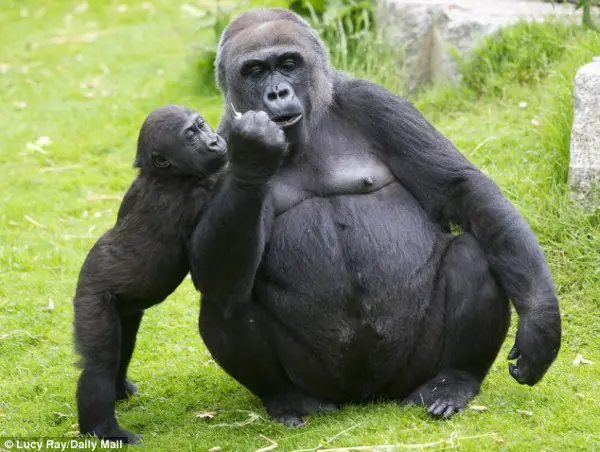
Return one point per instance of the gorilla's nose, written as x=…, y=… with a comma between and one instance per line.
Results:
x=278, y=95
x=216, y=144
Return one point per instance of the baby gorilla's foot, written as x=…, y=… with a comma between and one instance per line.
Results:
x=288, y=409
x=126, y=390
x=113, y=433
x=447, y=394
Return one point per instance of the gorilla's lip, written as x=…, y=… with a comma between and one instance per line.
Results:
x=288, y=120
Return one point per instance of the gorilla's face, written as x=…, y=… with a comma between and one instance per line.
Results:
x=270, y=60
x=176, y=141
x=274, y=80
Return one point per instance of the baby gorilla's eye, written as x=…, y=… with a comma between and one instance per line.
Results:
x=200, y=123
x=160, y=162
x=190, y=134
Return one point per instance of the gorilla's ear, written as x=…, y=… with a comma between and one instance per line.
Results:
x=141, y=157
x=219, y=68
x=139, y=161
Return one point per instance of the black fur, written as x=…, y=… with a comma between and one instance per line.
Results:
x=142, y=259
x=327, y=267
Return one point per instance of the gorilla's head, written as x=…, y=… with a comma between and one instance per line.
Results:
x=176, y=141
x=271, y=60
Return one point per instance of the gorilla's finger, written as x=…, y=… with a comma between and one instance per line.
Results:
x=529, y=376
x=515, y=372
x=514, y=353
x=262, y=116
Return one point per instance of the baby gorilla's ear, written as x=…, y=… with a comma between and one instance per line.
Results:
x=160, y=161
x=140, y=161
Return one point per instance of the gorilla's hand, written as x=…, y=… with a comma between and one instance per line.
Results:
x=536, y=346
x=256, y=147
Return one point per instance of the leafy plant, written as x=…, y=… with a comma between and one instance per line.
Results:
x=586, y=5
x=355, y=45
x=588, y=20
x=215, y=20
x=518, y=54
x=342, y=24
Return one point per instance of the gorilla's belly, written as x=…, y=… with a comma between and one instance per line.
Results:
x=355, y=274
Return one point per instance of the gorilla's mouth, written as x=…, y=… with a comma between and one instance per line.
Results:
x=220, y=151
x=285, y=121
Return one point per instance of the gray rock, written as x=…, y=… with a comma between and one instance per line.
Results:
x=584, y=167
x=427, y=30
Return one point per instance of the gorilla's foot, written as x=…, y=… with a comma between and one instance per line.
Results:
x=288, y=409
x=126, y=390
x=448, y=393
x=113, y=433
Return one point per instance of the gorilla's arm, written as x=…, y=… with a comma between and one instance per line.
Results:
x=228, y=243
x=227, y=246
x=451, y=189
x=130, y=199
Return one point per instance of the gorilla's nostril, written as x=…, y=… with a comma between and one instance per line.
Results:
x=284, y=93
x=272, y=95
x=217, y=145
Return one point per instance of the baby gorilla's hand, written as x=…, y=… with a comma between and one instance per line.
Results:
x=256, y=147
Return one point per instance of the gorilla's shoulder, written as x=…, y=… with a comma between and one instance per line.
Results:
x=365, y=95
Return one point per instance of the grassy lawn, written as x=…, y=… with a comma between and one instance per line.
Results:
x=85, y=78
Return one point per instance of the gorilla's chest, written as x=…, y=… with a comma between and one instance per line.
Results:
x=334, y=170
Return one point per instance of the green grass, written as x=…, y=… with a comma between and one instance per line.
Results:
x=519, y=54
x=53, y=206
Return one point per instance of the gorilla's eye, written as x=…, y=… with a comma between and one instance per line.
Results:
x=201, y=123
x=160, y=162
x=288, y=64
x=190, y=134
x=254, y=70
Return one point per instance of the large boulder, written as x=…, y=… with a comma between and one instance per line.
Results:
x=429, y=29
x=584, y=167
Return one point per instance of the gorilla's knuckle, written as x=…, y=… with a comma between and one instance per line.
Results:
x=272, y=126
x=262, y=115
x=247, y=128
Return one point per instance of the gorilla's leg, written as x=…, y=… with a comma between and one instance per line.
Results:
x=477, y=316
x=239, y=344
x=97, y=336
x=130, y=323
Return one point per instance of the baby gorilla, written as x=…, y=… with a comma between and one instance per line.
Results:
x=142, y=259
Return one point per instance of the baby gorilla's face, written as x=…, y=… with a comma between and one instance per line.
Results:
x=178, y=141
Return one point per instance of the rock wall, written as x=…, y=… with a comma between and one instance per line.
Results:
x=584, y=167
x=427, y=30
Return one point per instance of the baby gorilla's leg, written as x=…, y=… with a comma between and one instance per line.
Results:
x=130, y=323
x=98, y=336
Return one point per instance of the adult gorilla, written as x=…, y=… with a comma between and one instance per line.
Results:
x=326, y=263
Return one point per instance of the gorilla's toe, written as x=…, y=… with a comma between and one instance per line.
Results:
x=128, y=389
x=132, y=438
x=289, y=408
x=328, y=408
x=443, y=409
x=446, y=394
x=289, y=420
x=115, y=434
